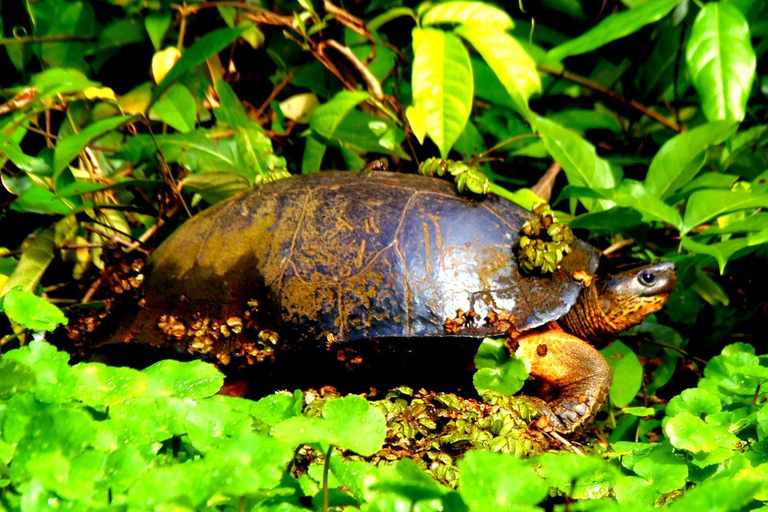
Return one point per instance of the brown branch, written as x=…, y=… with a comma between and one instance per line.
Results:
x=374, y=86
x=256, y=14
x=613, y=95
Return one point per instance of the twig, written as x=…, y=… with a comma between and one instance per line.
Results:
x=374, y=87
x=543, y=187
x=676, y=349
x=56, y=38
x=617, y=246
x=613, y=95
x=575, y=449
x=279, y=87
x=18, y=101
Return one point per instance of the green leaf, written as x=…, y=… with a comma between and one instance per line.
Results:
x=696, y=401
x=468, y=13
x=193, y=379
x=497, y=369
x=582, y=166
x=721, y=251
x=15, y=377
x=30, y=311
x=51, y=370
x=494, y=481
x=157, y=24
x=68, y=148
x=176, y=108
x=77, y=18
x=660, y=467
x=10, y=149
x=632, y=194
x=682, y=157
x=610, y=221
x=215, y=186
x=442, y=85
x=688, y=432
x=349, y=422
x=99, y=385
x=721, y=61
x=55, y=81
x=211, y=43
x=613, y=27
x=718, y=495
x=509, y=61
x=705, y=205
x=329, y=116
x=627, y=373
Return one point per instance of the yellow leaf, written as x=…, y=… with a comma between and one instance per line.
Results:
x=298, y=106
x=163, y=61
x=104, y=93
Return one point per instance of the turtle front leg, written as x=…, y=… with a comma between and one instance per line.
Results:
x=578, y=372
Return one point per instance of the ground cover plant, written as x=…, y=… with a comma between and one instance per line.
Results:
x=643, y=124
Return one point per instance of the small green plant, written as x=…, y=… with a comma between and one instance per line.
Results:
x=93, y=437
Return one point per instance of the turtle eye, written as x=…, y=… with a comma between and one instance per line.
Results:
x=647, y=278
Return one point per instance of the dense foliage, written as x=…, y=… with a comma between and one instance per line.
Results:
x=643, y=122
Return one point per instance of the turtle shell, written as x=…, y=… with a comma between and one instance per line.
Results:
x=344, y=256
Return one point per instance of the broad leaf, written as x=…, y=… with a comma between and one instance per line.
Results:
x=442, y=85
x=211, y=43
x=613, y=27
x=508, y=60
x=476, y=14
x=10, y=149
x=215, y=186
x=627, y=373
x=193, y=379
x=157, y=24
x=67, y=149
x=176, y=108
x=497, y=369
x=30, y=311
x=582, y=165
x=721, y=61
x=495, y=481
x=705, y=205
x=721, y=251
x=682, y=157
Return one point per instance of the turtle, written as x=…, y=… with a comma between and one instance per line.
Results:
x=329, y=258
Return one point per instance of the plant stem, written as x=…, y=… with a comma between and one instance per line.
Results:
x=613, y=95
x=56, y=38
x=326, y=468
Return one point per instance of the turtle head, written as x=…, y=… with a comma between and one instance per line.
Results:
x=621, y=301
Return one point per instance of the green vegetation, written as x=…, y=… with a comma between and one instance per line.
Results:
x=643, y=122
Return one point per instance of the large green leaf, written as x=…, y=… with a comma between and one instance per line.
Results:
x=682, y=156
x=723, y=252
x=67, y=149
x=29, y=310
x=176, y=108
x=613, y=27
x=468, y=13
x=627, y=373
x=508, y=60
x=77, y=18
x=442, y=85
x=708, y=204
x=210, y=44
x=721, y=61
x=582, y=166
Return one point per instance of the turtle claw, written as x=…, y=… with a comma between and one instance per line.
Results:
x=567, y=413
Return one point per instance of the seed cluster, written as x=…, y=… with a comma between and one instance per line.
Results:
x=468, y=177
x=544, y=242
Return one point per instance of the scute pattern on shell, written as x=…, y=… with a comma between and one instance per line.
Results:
x=353, y=256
